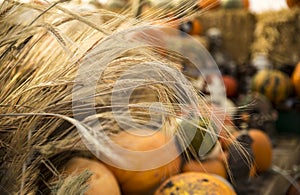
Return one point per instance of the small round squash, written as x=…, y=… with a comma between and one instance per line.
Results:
x=274, y=84
x=142, y=182
x=262, y=150
x=213, y=166
x=102, y=182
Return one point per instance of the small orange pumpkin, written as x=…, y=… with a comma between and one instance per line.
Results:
x=293, y=3
x=191, y=183
x=296, y=78
x=209, y=4
x=141, y=182
x=262, y=150
x=213, y=166
x=246, y=4
x=193, y=27
x=102, y=182
x=231, y=85
x=261, y=147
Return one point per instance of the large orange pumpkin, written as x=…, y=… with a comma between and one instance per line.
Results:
x=141, y=182
x=296, y=78
x=262, y=150
x=293, y=3
x=102, y=182
x=213, y=166
x=192, y=183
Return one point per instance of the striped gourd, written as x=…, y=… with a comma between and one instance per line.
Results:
x=274, y=84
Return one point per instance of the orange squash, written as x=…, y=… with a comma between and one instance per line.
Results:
x=102, y=182
x=296, y=78
x=209, y=4
x=231, y=85
x=213, y=166
x=192, y=183
x=197, y=27
x=193, y=27
x=262, y=150
x=246, y=4
x=293, y=3
x=141, y=182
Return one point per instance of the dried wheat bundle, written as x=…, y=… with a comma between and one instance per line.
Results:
x=47, y=53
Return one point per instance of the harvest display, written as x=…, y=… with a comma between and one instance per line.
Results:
x=137, y=98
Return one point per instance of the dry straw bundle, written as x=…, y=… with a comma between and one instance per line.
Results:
x=277, y=36
x=42, y=48
x=237, y=27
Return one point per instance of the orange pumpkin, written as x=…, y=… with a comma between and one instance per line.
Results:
x=293, y=3
x=261, y=147
x=231, y=85
x=101, y=182
x=197, y=27
x=213, y=166
x=193, y=27
x=246, y=4
x=296, y=79
x=191, y=183
x=209, y=4
x=262, y=150
x=141, y=182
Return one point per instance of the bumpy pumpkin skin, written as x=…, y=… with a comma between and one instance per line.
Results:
x=102, y=182
x=192, y=183
x=143, y=182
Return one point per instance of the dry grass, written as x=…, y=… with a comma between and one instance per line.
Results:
x=42, y=48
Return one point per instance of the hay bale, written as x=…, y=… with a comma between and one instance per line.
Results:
x=237, y=26
x=277, y=36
